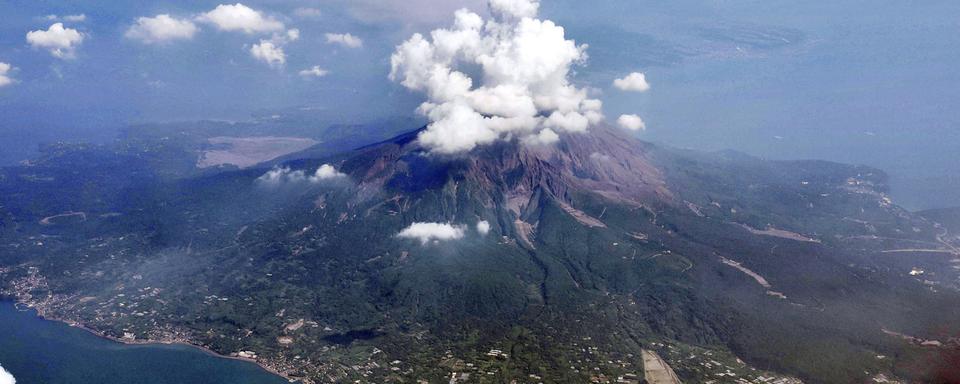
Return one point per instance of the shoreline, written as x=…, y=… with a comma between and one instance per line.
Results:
x=18, y=305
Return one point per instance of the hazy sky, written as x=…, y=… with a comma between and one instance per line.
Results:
x=856, y=81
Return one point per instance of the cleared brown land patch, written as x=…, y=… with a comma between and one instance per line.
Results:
x=244, y=152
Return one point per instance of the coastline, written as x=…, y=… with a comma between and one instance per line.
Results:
x=21, y=306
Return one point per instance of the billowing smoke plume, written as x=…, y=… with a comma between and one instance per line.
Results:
x=521, y=88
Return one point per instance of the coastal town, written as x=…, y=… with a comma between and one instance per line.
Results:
x=373, y=365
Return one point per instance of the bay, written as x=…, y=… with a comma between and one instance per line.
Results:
x=35, y=350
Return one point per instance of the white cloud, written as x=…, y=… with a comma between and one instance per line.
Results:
x=284, y=175
x=344, y=39
x=522, y=89
x=634, y=82
x=426, y=232
x=326, y=172
x=515, y=8
x=307, y=13
x=225, y=17
x=161, y=28
x=293, y=34
x=570, y=121
x=61, y=42
x=631, y=122
x=314, y=71
x=269, y=53
x=545, y=137
x=281, y=175
x=6, y=377
x=483, y=227
x=69, y=18
x=407, y=12
x=239, y=17
x=5, y=78
x=75, y=18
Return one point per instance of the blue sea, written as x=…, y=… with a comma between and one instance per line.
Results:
x=40, y=351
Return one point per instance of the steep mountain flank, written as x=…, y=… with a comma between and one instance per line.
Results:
x=595, y=254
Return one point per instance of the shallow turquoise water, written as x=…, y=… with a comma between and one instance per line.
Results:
x=40, y=351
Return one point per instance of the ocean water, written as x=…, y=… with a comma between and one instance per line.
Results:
x=852, y=81
x=39, y=351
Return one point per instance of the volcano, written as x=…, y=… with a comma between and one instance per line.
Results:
x=602, y=258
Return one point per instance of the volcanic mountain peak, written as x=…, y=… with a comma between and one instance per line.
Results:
x=604, y=161
x=599, y=243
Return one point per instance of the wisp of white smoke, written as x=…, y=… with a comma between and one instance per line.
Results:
x=522, y=88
